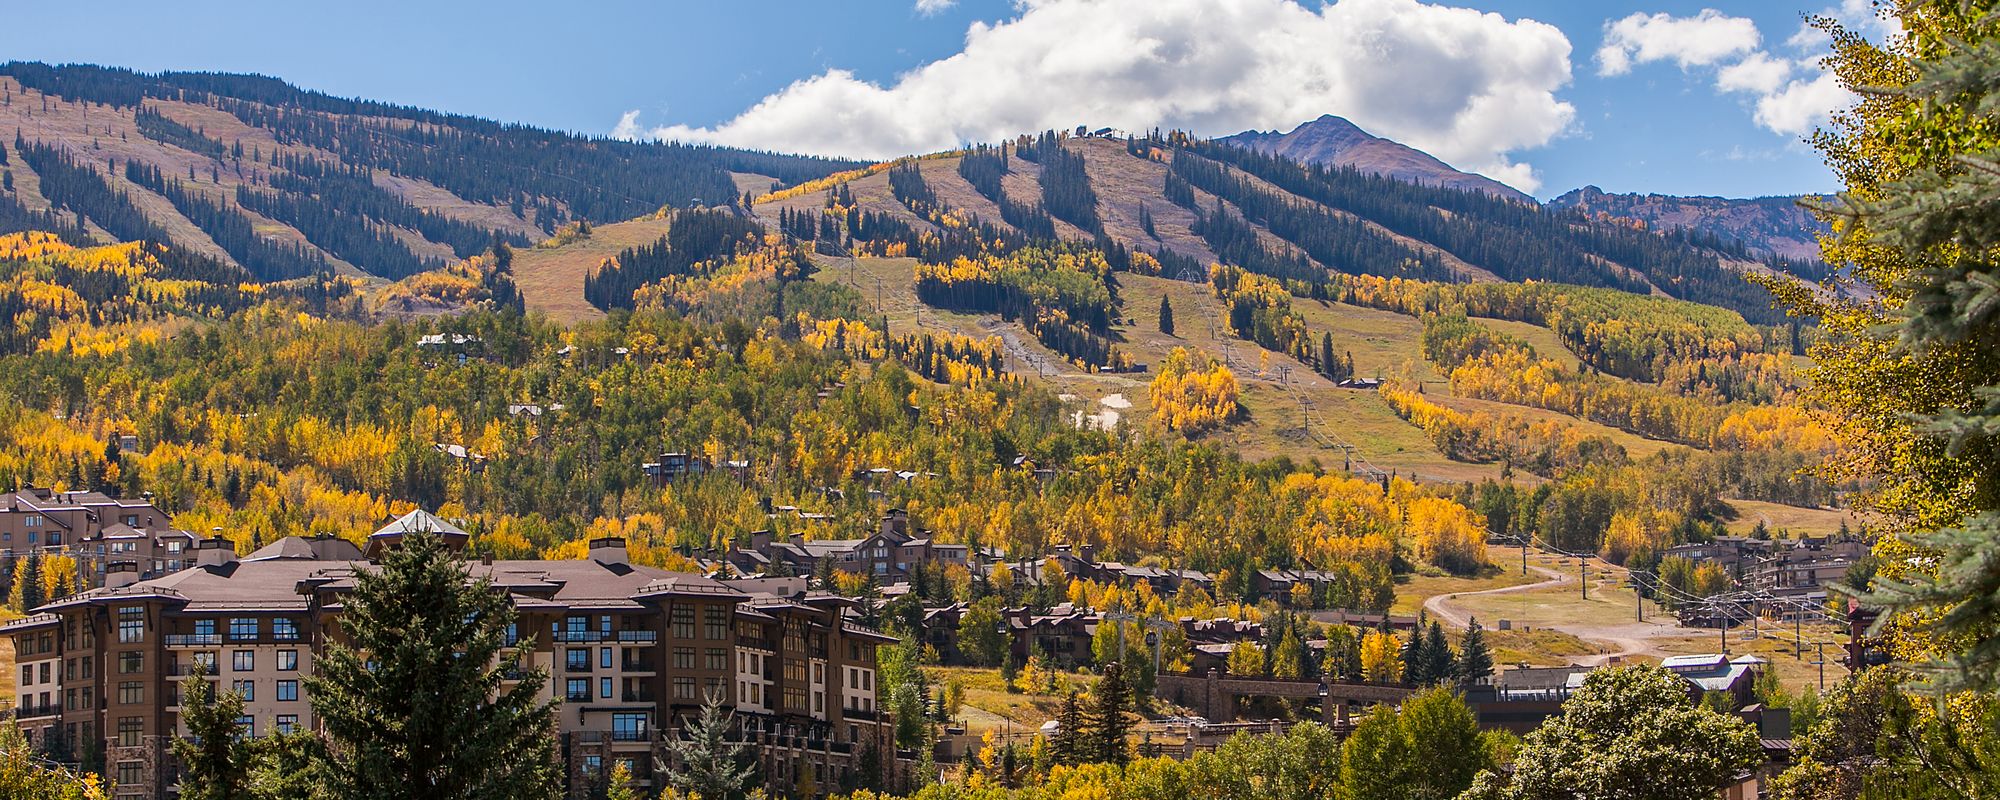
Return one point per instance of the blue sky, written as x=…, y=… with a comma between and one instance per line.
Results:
x=1700, y=102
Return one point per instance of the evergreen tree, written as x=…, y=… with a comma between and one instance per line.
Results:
x=1475, y=661
x=1166, y=315
x=415, y=704
x=703, y=762
x=1110, y=700
x=28, y=583
x=1416, y=661
x=1067, y=746
x=1440, y=664
x=215, y=758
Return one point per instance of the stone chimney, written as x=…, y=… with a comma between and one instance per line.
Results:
x=214, y=552
x=1089, y=553
x=760, y=540
x=608, y=550
x=118, y=574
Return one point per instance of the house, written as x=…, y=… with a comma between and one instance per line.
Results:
x=675, y=466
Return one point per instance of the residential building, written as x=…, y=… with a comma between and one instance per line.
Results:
x=631, y=653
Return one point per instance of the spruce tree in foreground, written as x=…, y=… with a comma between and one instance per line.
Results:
x=1109, y=700
x=704, y=763
x=1166, y=316
x=1066, y=747
x=413, y=705
x=215, y=757
x=1475, y=660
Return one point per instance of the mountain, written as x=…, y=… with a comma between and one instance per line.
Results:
x=1336, y=142
x=281, y=182
x=1776, y=226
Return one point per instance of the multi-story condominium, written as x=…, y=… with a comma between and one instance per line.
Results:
x=631, y=653
x=45, y=520
x=891, y=554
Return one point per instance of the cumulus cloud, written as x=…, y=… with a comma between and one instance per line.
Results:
x=1472, y=88
x=1789, y=96
x=1700, y=40
x=929, y=7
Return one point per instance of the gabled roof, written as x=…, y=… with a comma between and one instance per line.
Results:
x=419, y=521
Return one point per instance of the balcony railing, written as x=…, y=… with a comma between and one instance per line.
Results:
x=637, y=697
x=193, y=639
x=626, y=637
x=637, y=666
x=37, y=710
x=640, y=735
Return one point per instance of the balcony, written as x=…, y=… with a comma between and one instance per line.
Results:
x=631, y=696
x=193, y=639
x=628, y=735
x=37, y=710
x=623, y=637
x=184, y=670
x=637, y=665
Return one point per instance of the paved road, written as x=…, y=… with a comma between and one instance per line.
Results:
x=1625, y=639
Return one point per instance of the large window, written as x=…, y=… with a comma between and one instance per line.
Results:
x=129, y=730
x=717, y=659
x=243, y=629
x=132, y=692
x=288, y=660
x=130, y=772
x=285, y=629
x=287, y=690
x=717, y=623
x=287, y=723
x=129, y=663
x=683, y=658
x=683, y=622
x=684, y=688
x=628, y=727
x=204, y=628
x=246, y=688
x=132, y=624
x=577, y=659
x=577, y=690
x=243, y=660
x=604, y=688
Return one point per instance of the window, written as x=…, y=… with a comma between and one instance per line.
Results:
x=578, y=659
x=605, y=656
x=578, y=628
x=683, y=658
x=31, y=521
x=577, y=690
x=204, y=659
x=287, y=690
x=683, y=622
x=287, y=723
x=717, y=623
x=248, y=724
x=593, y=765
x=129, y=773
x=243, y=629
x=129, y=730
x=513, y=634
x=604, y=688
x=27, y=674
x=243, y=660
x=204, y=628
x=132, y=625
x=132, y=692
x=717, y=658
x=288, y=660
x=628, y=727
x=684, y=688
x=44, y=670
x=246, y=688
x=285, y=629
x=129, y=663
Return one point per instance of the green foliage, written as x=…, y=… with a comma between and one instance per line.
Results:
x=1631, y=733
x=413, y=703
x=980, y=636
x=703, y=762
x=215, y=756
x=1378, y=762
x=1110, y=701
x=1872, y=739
x=24, y=775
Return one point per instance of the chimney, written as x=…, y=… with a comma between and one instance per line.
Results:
x=214, y=552
x=796, y=538
x=608, y=550
x=118, y=574
x=1089, y=553
x=760, y=540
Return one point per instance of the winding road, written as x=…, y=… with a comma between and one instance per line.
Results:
x=1627, y=639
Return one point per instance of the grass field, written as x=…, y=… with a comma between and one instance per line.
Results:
x=551, y=280
x=1795, y=519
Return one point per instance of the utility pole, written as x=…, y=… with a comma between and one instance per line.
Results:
x=1584, y=562
x=1524, y=551
x=1820, y=659
x=1725, y=625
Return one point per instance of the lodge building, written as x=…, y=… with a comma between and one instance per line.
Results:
x=631, y=652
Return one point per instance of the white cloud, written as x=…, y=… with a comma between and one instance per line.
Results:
x=1703, y=39
x=1469, y=87
x=1802, y=105
x=929, y=7
x=1789, y=96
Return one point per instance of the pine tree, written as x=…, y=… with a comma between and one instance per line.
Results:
x=1475, y=661
x=703, y=762
x=1110, y=699
x=1416, y=662
x=415, y=704
x=214, y=756
x=28, y=583
x=1066, y=747
x=1166, y=315
x=1440, y=664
